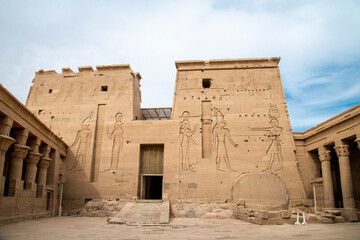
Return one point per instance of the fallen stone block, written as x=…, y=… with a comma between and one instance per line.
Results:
x=285, y=214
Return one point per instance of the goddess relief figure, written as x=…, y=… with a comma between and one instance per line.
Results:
x=220, y=134
x=185, y=138
x=116, y=134
x=83, y=137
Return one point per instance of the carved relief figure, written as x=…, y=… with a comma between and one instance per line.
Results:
x=185, y=138
x=274, y=149
x=83, y=137
x=116, y=134
x=220, y=135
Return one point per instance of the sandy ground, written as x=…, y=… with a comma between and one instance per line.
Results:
x=179, y=228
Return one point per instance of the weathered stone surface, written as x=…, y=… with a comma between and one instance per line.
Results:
x=285, y=214
x=261, y=191
x=101, y=208
x=262, y=214
x=206, y=210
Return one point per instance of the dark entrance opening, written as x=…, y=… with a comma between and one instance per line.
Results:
x=152, y=187
x=335, y=174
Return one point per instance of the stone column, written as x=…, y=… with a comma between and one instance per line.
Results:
x=31, y=162
x=16, y=162
x=31, y=169
x=349, y=211
x=43, y=165
x=325, y=158
x=5, y=142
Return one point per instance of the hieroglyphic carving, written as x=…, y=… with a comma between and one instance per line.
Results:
x=220, y=134
x=274, y=149
x=185, y=138
x=116, y=134
x=83, y=137
x=273, y=111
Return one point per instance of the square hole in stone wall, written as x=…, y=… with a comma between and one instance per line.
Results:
x=104, y=88
x=206, y=82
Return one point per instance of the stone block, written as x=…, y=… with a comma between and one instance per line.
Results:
x=262, y=214
x=339, y=219
x=243, y=210
x=286, y=214
x=274, y=214
x=350, y=214
x=326, y=220
x=327, y=215
x=336, y=212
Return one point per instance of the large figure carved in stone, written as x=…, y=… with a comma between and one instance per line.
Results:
x=185, y=138
x=116, y=134
x=220, y=135
x=83, y=137
x=274, y=149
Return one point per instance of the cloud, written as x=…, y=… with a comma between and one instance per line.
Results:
x=317, y=41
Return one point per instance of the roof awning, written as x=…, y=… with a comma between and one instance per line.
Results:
x=156, y=113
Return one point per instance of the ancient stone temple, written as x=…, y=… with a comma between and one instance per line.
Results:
x=227, y=138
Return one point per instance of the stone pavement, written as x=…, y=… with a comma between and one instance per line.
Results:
x=89, y=228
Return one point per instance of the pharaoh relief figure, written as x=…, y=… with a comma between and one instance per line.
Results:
x=116, y=134
x=83, y=137
x=220, y=135
x=185, y=139
x=274, y=148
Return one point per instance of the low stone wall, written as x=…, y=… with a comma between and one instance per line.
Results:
x=203, y=210
x=97, y=209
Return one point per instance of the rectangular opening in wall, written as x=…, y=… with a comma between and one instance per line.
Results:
x=151, y=170
x=206, y=82
x=104, y=88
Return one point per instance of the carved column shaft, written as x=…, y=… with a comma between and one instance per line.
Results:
x=31, y=169
x=16, y=163
x=42, y=170
x=345, y=176
x=325, y=158
x=5, y=143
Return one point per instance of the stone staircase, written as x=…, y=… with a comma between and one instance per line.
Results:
x=143, y=213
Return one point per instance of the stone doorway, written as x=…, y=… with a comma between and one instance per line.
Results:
x=151, y=171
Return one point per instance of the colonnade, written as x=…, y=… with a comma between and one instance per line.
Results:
x=343, y=152
x=26, y=149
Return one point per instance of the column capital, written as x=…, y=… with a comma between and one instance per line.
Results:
x=20, y=135
x=20, y=151
x=5, y=142
x=325, y=155
x=45, y=150
x=44, y=162
x=358, y=141
x=6, y=124
x=34, y=143
x=33, y=158
x=342, y=150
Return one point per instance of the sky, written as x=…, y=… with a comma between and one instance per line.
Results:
x=318, y=42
